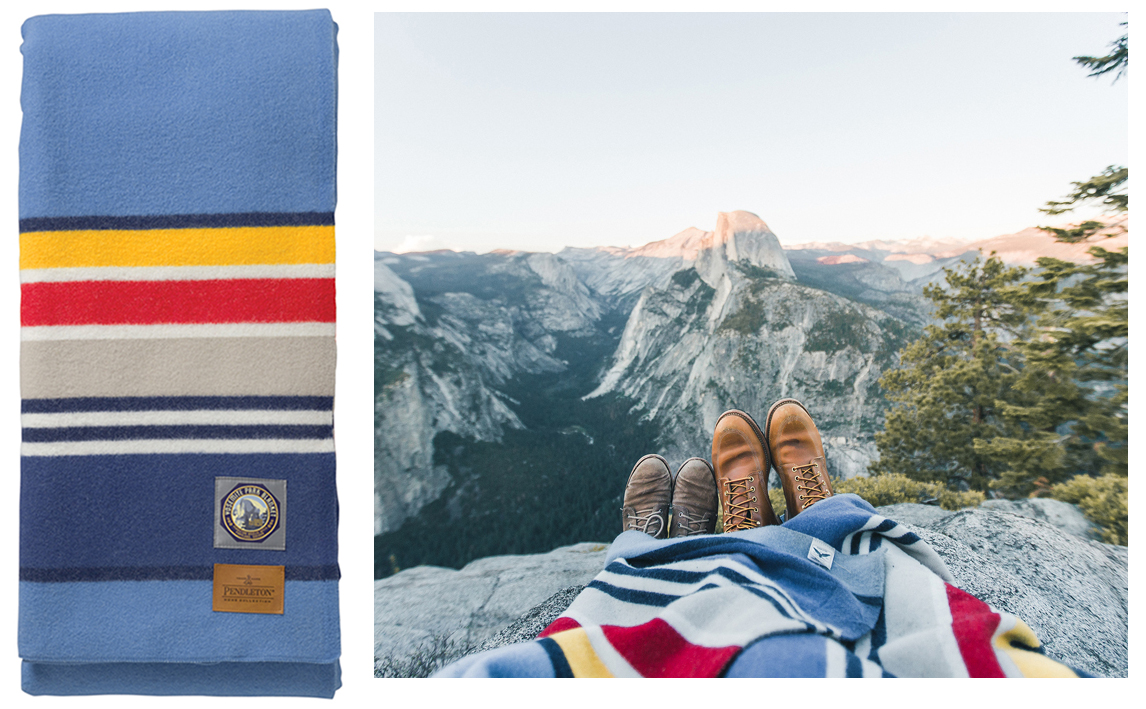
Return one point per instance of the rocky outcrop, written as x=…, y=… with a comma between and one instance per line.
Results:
x=441, y=353
x=1070, y=590
x=690, y=351
x=429, y=605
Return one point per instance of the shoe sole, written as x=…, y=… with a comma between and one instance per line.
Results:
x=759, y=436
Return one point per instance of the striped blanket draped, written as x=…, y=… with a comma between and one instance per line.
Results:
x=177, y=360
x=838, y=591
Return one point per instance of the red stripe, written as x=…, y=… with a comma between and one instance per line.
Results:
x=973, y=624
x=656, y=649
x=241, y=300
x=558, y=625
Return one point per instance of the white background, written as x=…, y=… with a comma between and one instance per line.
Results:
x=354, y=415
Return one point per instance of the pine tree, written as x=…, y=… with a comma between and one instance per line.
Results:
x=947, y=392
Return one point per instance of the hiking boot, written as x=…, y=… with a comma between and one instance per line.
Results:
x=740, y=459
x=693, y=499
x=798, y=455
x=647, y=497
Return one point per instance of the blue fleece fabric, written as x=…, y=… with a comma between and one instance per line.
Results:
x=239, y=113
x=74, y=533
x=174, y=120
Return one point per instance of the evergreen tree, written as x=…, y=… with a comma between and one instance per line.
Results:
x=951, y=383
x=1109, y=187
x=1083, y=343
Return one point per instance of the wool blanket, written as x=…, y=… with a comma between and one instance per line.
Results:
x=838, y=591
x=178, y=516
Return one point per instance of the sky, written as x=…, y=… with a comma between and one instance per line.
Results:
x=540, y=131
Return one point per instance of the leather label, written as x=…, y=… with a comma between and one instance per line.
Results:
x=248, y=589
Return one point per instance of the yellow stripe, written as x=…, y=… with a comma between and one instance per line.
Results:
x=579, y=653
x=1031, y=664
x=234, y=246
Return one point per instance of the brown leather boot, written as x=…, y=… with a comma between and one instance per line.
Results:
x=798, y=455
x=647, y=497
x=693, y=499
x=740, y=458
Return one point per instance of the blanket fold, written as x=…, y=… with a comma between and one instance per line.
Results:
x=177, y=194
x=838, y=591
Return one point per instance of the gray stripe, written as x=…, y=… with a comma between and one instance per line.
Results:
x=240, y=366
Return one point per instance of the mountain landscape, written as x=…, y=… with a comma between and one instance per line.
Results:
x=514, y=390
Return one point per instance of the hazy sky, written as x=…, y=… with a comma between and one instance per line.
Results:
x=538, y=131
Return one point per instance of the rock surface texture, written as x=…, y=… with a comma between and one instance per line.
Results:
x=1072, y=591
x=433, y=609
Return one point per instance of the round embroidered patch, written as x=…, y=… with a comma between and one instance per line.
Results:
x=250, y=513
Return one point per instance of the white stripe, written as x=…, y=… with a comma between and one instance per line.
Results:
x=711, y=618
x=176, y=273
x=680, y=590
x=946, y=643
x=214, y=445
x=165, y=332
x=870, y=669
x=775, y=590
x=873, y=522
x=613, y=660
x=715, y=618
x=835, y=659
x=178, y=418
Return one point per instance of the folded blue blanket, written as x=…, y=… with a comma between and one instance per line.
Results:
x=178, y=515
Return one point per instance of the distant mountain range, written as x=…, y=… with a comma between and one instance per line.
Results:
x=513, y=390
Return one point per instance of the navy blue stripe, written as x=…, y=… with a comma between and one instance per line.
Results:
x=126, y=433
x=176, y=403
x=329, y=572
x=885, y=526
x=561, y=668
x=907, y=539
x=679, y=576
x=660, y=574
x=158, y=510
x=878, y=636
x=177, y=221
x=777, y=605
x=854, y=667
x=628, y=595
x=856, y=543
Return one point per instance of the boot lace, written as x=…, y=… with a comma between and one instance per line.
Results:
x=738, y=494
x=687, y=525
x=642, y=521
x=808, y=479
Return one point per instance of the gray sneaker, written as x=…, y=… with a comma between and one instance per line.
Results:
x=647, y=497
x=693, y=499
